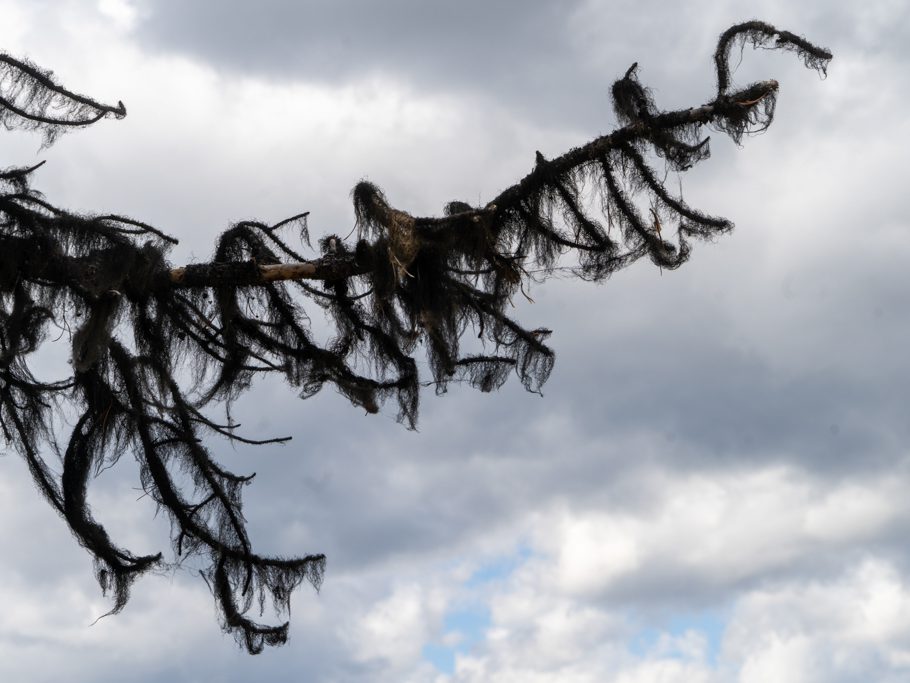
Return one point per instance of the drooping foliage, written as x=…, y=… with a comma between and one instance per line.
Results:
x=407, y=285
x=31, y=100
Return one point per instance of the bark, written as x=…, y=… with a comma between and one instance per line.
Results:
x=251, y=273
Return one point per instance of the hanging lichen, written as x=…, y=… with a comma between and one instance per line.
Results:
x=408, y=283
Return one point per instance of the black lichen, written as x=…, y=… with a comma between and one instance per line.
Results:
x=407, y=284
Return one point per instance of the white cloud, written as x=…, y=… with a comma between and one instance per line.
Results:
x=716, y=531
x=718, y=540
x=16, y=22
x=396, y=628
x=124, y=13
x=854, y=627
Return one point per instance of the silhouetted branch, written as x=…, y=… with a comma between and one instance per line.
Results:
x=138, y=325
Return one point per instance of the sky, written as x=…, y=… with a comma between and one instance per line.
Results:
x=712, y=487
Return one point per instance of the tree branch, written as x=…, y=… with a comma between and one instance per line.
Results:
x=249, y=273
x=342, y=266
x=135, y=320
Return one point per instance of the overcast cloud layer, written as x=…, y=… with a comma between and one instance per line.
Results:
x=713, y=486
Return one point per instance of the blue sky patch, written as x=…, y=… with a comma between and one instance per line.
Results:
x=470, y=624
x=709, y=623
x=472, y=617
x=498, y=569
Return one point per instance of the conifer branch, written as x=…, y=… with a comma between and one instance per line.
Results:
x=407, y=284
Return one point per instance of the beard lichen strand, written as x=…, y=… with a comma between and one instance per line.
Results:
x=235, y=317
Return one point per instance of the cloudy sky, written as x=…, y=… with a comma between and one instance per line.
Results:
x=713, y=486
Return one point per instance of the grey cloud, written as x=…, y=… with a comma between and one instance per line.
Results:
x=548, y=61
x=349, y=37
x=653, y=373
x=509, y=48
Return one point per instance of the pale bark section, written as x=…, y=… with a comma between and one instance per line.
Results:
x=269, y=273
x=288, y=271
